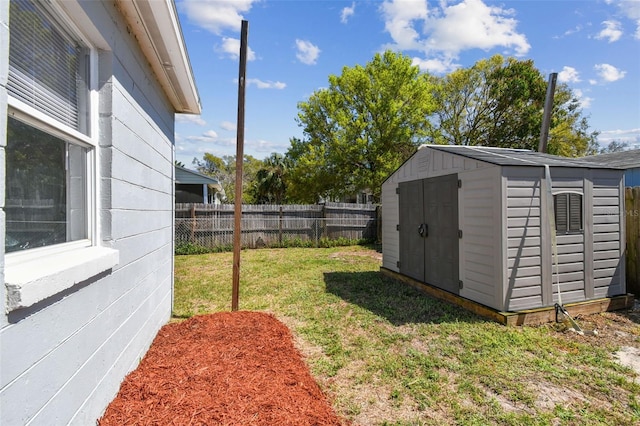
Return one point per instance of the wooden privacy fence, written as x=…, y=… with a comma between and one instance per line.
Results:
x=211, y=226
x=632, y=208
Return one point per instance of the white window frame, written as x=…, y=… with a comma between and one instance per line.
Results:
x=34, y=275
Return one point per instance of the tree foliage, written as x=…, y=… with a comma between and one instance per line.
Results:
x=269, y=185
x=500, y=102
x=224, y=169
x=360, y=129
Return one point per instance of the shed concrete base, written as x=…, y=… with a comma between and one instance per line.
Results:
x=525, y=317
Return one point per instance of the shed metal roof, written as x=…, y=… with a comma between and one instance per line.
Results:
x=623, y=159
x=518, y=157
x=186, y=176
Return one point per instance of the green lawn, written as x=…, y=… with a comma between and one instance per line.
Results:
x=387, y=354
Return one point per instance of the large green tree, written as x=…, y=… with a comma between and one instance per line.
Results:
x=360, y=129
x=500, y=102
x=224, y=169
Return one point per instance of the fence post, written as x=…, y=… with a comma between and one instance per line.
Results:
x=280, y=227
x=193, y=223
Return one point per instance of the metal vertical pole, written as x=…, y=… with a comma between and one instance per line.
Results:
x=239, y=161
x=548, y=108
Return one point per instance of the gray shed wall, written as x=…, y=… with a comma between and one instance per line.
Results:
x=505, y=253
x=425, y=163
x=64, y=359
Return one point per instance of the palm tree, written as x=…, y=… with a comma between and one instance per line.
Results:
x=269, y=185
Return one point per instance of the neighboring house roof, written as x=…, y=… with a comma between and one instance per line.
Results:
x=516, y=157
x=191, y=177
x=156, y=26
x=623, y=159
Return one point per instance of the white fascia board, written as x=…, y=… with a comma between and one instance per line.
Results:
x=157, y=29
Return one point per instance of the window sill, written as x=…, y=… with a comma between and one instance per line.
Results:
x=31, y=281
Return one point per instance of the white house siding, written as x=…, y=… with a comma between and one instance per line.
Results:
x=523, y=284
x=425, y=163
x=608, y=234
x=63, y=360
x=480, y=204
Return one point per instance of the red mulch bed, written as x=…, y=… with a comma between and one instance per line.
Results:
x=228, y=368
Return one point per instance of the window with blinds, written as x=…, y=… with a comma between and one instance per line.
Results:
x=568, y=211
x=47, y=168
x=48, y=68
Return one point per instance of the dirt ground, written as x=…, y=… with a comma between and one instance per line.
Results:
x=242, y=368
x=228, y=368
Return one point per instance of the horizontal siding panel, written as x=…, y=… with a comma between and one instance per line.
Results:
x=569, y=267
x=524, y=252
x=570, y=248
x=530, y=271
x=478, y=277
x=606, y=254
x=605, y=246
x=608, y=263
x=531, y=231
x=570, y=296
x=523, y=212
x=604, y=273
x=523, y=202
x=570, y=286
x=522, y=192
x=606, y=192
x=610, y=236
x=525, y=303
x=519, y=242
x=527, y=281
x=607, y=227
x=522, y=222
x=606, y=201
x=525, y=292
x=607, y=210
x=570, y=239
x=571, y=257
x=605, y=219
x=484, y=268
x=570, y=276
x=523, y=261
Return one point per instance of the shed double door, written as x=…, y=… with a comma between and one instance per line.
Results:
x=428, y=231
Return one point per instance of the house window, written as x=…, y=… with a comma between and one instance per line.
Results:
x=49, y=147
x=568, y=212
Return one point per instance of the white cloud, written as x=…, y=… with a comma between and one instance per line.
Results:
x=472, y=24
x=231, y=46
x=612, y=31
x=609, y=73
x=400, y=17
x=435, y=66
x=266, y=84
x=190, y=118
x=307, y=52
x=347, y=12
x=227, y=125
x=631, y=10
x=630, y=136
x=569, y=75
x=441, y=34
x=216, y=15
x=585, y=101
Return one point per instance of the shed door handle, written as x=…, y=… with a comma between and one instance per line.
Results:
x=423, y=230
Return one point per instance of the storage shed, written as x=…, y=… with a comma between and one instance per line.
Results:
x=475, y=222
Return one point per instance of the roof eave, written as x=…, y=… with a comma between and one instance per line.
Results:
x=155, y=25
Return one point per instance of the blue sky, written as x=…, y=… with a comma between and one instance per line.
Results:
x=593, y=45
